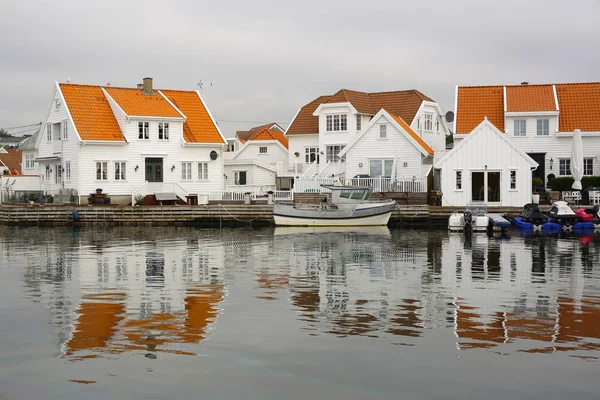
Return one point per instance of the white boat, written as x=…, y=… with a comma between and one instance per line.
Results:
x=473, y=218
x=348, y=206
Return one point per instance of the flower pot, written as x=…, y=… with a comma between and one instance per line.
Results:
x=535, y=198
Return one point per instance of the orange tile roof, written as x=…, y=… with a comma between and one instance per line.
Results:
x=91, y=112
x=245, y=135
x=404, y=103
x=412, y=133
x=579, y=105
x=474, y=103
x=271, y=134
x=198, y=126
x=530, y=98
x=12, y=160
x=135, y=103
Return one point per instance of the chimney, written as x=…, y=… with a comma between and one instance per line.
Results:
x=148, y=86
x=522, y=83
x=140, y=86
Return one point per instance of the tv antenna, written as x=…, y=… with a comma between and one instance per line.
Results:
x=200, y=84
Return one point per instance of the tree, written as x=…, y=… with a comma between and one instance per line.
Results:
x=4, y=133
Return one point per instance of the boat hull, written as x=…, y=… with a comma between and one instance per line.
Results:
x=371, y=215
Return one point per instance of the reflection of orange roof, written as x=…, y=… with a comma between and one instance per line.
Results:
x=474, y=103
x=412, y=133
x=270, y=134
x=135, y=103
x=199, y=126
x=530, y=98
x=91, y=112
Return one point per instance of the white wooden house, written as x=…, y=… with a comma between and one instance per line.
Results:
x=538, y=119
x=129, y=142
x=322, y=128
x=485, y=166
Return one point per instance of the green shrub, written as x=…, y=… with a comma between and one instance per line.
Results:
x=535, y=183
x=565, y=183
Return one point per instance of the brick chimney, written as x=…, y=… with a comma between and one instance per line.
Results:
x=147, y=86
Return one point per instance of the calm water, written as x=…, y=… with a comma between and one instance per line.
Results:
x=143, y=313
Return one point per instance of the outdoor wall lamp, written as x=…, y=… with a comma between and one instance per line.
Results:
x=297, y=154
x=137, y=167
x=359, y=165
x=551, y=163
x=173, y=168
x=225, y=176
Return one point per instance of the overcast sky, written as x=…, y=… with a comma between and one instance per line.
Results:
x=261, y=60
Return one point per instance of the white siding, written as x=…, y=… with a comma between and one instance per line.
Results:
x=275, y=152
x=434, y=138
x=297, y=144
x=485, y=150
x=371, y=147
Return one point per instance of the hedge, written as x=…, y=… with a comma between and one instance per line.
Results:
x=566, y=182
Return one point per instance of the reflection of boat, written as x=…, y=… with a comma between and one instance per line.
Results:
x=360, y=230
x=349, y=206
x=474, y=218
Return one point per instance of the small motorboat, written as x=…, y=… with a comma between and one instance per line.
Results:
x=533, y=219
x=473, y=218
x=589, y=218
x=562, y=214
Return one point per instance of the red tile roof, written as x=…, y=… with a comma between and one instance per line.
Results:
x=474, y=103
x=524, y=98
x=579, y=105
x=12, y=160
x=404, y=103
x=245, y=135
x=271, y=134
x=412, y=133
x=135, y=103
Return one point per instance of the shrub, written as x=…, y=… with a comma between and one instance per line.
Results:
x=565, y=183
x=535, y=183
x=138, y=199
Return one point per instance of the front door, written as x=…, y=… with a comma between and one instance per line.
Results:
x=154, y=169
x=540, y=172
x=485, y=186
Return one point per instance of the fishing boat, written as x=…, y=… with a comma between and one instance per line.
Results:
x=473, y=218
x=348, y=206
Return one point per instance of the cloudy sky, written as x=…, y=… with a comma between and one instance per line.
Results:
x=260, y=60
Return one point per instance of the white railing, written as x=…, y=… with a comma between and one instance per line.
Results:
x=313, y=166
x=312, y=185
x=401, y=184
x=220, y=195
x=283, y=195
x=159, y=187
x=289, y=169
x=258, y=189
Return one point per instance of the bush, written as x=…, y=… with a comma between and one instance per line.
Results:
x=535, y=183
x=565, y=183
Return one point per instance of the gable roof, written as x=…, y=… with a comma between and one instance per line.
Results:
x=95, y=120
x=271, y=134
x=29, y=144
x=485, y=123
x=12, y=159
x=578, y=104
x=245, y=135
x=199, y=126
x=401, y=125
x=404, y=103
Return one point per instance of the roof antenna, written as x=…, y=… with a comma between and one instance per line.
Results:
x=68, y=80
x=199, y=84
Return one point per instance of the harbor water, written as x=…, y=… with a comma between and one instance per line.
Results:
x=297, y=313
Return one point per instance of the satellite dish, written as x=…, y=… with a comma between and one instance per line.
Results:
x=449, y=116
x=213, y=155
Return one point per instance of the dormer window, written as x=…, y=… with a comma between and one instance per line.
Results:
x=143, y=130
x=428, y=121
x=163, y=131
x=358, y=123
x=337, y=123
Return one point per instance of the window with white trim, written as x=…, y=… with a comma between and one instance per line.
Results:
x=120, y=170
x=143, y=130
x=458, y=185
x=49, y=132
x=513, y=179
x=262, y=150
x=336, y=122
x=428, y=121
x=47, y=172
x=333, y=151
x=101, y=170
x=163, y=131
x=65, y=129
x=382, y=131
x=543, y=127
x=58, y=173
x=437, y=125
x=311, y=154
x=520, y=127
x=186, y=171
x=564, y=166
x=67, y=171
x=29, y=161
x=588, y=166
x=239, y=177
x=203, y=171
x=380, y=168
x=358, y=122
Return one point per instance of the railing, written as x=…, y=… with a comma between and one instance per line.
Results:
x=283, y=195
x=312, y=166
x=291, y=169
x=312, y=185
x=226, y=195
x=258, y=189
x=159, y=187
x=401, y=184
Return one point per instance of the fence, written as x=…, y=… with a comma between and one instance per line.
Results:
x=226, y=195
x=405, y=184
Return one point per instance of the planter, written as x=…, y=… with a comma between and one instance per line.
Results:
x=535, y=198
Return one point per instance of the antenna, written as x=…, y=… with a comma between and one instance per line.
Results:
x=199, y=84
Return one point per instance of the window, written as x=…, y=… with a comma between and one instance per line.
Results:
x=437, y=125
x=239, y=177
x=382, y=131
x=29, y=161
x=564, y=166
x=203, y=171
x=49, y=132
x=358, y=122
x=458, y=180
x=47, y=172
x=521, y=127
x=101, y=171
x=262, y=150
x=143, y=130
x=163, y=131
x=380, y=168
x=513, y=179
x=588, y=166
x=65, y=127
x=338, y=122
x=186, y=171
x=428, y=121
x=68, y=170
x=58, y=174
x=120, y=169
x=311, y=154
x=332, y=152
x=543, y=127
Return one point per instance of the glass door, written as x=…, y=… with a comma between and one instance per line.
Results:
x=477, y=186
x=154, y=168
x=493, y=187
x=485, y=186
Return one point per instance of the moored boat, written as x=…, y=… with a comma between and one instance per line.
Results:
x=348, y=206
x=562, y=214
x=532, y=218
x=473, y=218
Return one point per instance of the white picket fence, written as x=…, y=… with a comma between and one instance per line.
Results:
x=227, y=195
x=402, y=184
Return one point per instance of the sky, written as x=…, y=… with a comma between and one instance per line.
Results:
x=260, y=61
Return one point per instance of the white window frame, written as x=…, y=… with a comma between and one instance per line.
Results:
x=308, y=151
x=358, y=122
x=186, y=171
x=383, y=163
x=203, y=171
x=262, y=150
x=163, y=131
x=329, y=123
x=458, y=180
x=236, y=178
x=47, y=173
x=520, y=127
x=101, y=170
x=48, y=132
x=428, y=124
x=65, y=129
x=332, y=151
x=383, y=131
x=543, y=127
x=58, y=174
x=512, y=176
x=143, y=130
x=336, y=123
x=564, y=165
x=120, y=170
x=588, y=170
x=68, y=171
